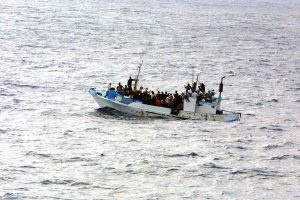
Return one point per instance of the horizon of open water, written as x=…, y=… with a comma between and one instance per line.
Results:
x=56, y=144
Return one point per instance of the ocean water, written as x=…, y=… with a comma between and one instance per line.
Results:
x=56, y=144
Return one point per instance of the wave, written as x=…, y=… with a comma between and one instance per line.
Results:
x=297, y=157
x=273, y=100
x=76, y=159
x=10, y=195
x=172, y=170
x=274, y=146
x=284, y=157
x=7, y=94
x=80, y=184
x=3, y=130
x=25, y=86
x=257, y=172
x=213, y=166
x=32, y=153
x=56, y=182
x=271, y=128
x=192, y=154
x=28, y=166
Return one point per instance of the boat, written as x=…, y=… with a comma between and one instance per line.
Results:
x=192, y=108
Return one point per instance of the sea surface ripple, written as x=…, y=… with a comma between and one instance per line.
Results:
x=56, y=144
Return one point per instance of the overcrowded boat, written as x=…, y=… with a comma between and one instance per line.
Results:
x=194, y=103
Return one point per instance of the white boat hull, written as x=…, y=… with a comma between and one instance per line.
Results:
x=140, y=109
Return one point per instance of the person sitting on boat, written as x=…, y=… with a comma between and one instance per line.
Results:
x=176, y=99
x=212, y=93
x=194, y=95
x=131, y=93
x=120, y=88
x=181, y=98
x=140, y=93
x=170, y=101
x=163, y=103
x=153, y=98
x=158, y=99
x=135, y=94
x=208, y=97
x=180, y=101
x=200, y=96
x=108, y=88
x=162, y=96
x=176, y=94
x=125, y=91
x=188, y=95
x=167, y=100
x=146, y=96
x=166, y=95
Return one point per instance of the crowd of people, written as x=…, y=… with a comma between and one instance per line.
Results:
x=164, y=99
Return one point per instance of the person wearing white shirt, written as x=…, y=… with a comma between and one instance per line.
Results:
x=108, y=88
x=194, y=95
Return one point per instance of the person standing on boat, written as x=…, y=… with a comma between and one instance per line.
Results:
x=194, y=87
x=202, y=86
x=188, y=87
x=129, y=83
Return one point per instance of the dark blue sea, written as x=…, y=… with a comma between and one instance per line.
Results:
x=56, y=144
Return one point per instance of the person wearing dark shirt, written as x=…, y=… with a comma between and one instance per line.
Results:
x=176, y=94
x=188, y=87
x=202, y=88
x=194, y=87
x=129, y=83
x=121, y=86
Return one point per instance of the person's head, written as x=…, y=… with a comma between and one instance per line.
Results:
x=109, y=84
x=129, y=77
x=119, y=83
x=176, y=92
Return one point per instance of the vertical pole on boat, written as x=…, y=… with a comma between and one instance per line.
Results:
x=220, y=93
x=137, y=78
x=221, y=87
x=193, y=76
x=197, y=81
